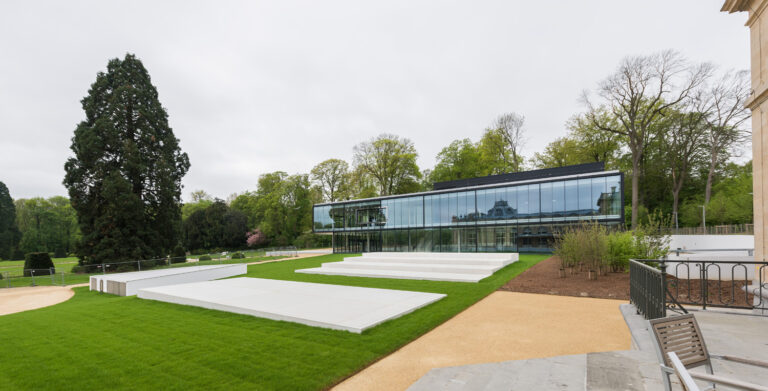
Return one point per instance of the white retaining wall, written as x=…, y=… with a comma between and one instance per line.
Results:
x=704, y=242
x=127, y=284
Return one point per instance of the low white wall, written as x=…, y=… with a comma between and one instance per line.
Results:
x=131, y=287
x=704, y=242
x=151, y=278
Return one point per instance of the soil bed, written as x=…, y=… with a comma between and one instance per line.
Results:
x=544, y=278
x=722, y=293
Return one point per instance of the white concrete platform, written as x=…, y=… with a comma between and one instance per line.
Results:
x=458, y=267
x=322, y=305
x=127, y=284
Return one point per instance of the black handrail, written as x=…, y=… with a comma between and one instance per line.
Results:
x=709, y=276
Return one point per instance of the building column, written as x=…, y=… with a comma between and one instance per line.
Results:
x=758, y=103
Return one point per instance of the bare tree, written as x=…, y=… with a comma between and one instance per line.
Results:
x=637, y=95
x=332, y=176
x=682, y=146
x=511, y=128
x=723, y=104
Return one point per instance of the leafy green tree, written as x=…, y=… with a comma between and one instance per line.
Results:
x=361, y=185
x=495, y=155
x=124, y=180
x=9, y=232
x=390, y=161
x=332, y=176
x=459, y=160
x=191, y=207
x=216, y=226
x=47, y=225
x=281, y=207
x=564, y=151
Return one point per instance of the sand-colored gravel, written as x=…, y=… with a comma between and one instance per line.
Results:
x=14, y=300
x=503, y=326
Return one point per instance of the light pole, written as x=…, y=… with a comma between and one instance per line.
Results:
x=704, y=218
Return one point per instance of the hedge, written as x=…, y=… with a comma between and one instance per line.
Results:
x=41, y=262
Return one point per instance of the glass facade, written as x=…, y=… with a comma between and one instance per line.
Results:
x=508, y=217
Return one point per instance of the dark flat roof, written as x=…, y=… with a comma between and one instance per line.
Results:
x=522, y=176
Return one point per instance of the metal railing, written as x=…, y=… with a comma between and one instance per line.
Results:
x=647, y=290
x=732, y=229
x=702, y=283
x=714, y=283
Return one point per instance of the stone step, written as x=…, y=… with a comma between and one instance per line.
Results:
x=439, y=261
x=433, y=255
x=421, y=267
x=399, y=274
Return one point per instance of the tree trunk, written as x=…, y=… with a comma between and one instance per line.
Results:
x=710, y=176
x=675, y=200
x=635, y=192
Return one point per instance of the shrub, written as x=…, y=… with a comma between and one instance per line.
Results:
x=205, y=258
x=17, y=255
x=148, y=264
x=255, y=238
x=126, y=267
x=310, y=240
x=178, y=255
x=41, y=262
x=59, y=253
x=621, y=247
x=78, y=269
x=237, y=256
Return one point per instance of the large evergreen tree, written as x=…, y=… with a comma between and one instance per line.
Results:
x=9, y=232
x=124, y=180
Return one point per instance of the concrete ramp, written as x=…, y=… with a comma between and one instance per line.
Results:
x=458, y=267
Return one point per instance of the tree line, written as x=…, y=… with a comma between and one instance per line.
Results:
x=671, y=126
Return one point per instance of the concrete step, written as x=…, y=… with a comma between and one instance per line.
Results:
x=399, y=274
x=432, y=255
x=439, y=261
x=421, y=267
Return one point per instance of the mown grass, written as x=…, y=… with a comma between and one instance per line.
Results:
x=64, y=276
x=99, y=341
x=17, y=267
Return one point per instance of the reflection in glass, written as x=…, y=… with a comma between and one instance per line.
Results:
x=547, y=202
x=571, y=198
x=585, y=199
x=599, y=197
x=558, y=199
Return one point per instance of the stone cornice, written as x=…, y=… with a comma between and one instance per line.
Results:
x=759, y=95
x=732, y=6
x=756, y=13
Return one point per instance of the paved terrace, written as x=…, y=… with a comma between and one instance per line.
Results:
x=726, y=333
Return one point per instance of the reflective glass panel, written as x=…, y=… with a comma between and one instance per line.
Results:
x=600, y=198
x=585, y=197
x=571, y=198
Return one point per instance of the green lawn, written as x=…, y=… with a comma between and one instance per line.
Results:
x=99, y=341
x=17, y=267
x=65, y=265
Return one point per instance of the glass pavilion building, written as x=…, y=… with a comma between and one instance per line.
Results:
x=517, y=212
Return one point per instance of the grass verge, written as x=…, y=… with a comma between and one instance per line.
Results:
x=99, y=341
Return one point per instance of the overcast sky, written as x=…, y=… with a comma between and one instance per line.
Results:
x=254, y=87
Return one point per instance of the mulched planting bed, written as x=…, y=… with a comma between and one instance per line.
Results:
x=726, y=292
x=544, y=278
